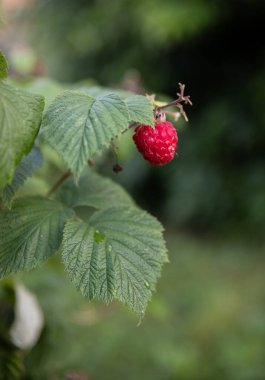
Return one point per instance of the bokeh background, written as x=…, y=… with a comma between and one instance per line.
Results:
x=206, y=321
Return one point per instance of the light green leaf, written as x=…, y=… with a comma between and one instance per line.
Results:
x=3, y=66
x=95, y=191
x=87, y=260
x=77, y=126
x=20, y=117
x=30, y=233
x=11, y=361
x=140, y=109
x=118, y=254
x=23, y=171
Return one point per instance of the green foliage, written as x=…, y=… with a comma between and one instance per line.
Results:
x=46, y=87
x=206, y=321
x=77, y=125
x=3, y=66
x=114, y=253
x=117, y=254
x=11, y=362
x=139, y=109
x=198, y=326
x=95, y=191
x=20, y=117
x=11, y=358
x=23, y=171
x=30, y=233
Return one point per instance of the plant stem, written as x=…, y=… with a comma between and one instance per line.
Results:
x=176, y=115
x=59, y=182
x=181, y=99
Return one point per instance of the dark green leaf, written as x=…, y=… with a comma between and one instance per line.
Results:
x=140, y=109
x=3, y=66
x=30, y=233
x=23, y=171
x=118, y=254
x=11, y=361
x=77, y=126
x=45, y=87
x=95, y=191
x=20, y=117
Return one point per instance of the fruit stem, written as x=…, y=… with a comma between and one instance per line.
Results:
x=63, y=178
x=175, y=115
x=182, y=99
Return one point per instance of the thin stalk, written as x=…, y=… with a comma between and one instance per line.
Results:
x=59, y=182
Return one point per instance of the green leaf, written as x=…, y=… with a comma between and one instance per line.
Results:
x=30, y=233
x=3, y=66
x=23, y=171
x=20, y=117
x=118, y=254
x=78, y=125
x=11, y=361
x=95, y=191
x=140, y=109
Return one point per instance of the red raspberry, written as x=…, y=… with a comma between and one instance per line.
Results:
x=157, y=145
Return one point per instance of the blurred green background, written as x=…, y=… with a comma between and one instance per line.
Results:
x=207, y=319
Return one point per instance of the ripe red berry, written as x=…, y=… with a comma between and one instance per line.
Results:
x=157, y=145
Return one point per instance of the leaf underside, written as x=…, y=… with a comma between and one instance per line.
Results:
x=23, y=171
x=30, y=233
x=118, y=254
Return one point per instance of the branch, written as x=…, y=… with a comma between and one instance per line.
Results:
x=182, y=99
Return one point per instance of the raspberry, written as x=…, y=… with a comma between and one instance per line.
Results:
x=157, y=145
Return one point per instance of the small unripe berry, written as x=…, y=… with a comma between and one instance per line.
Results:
x=157, y=145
